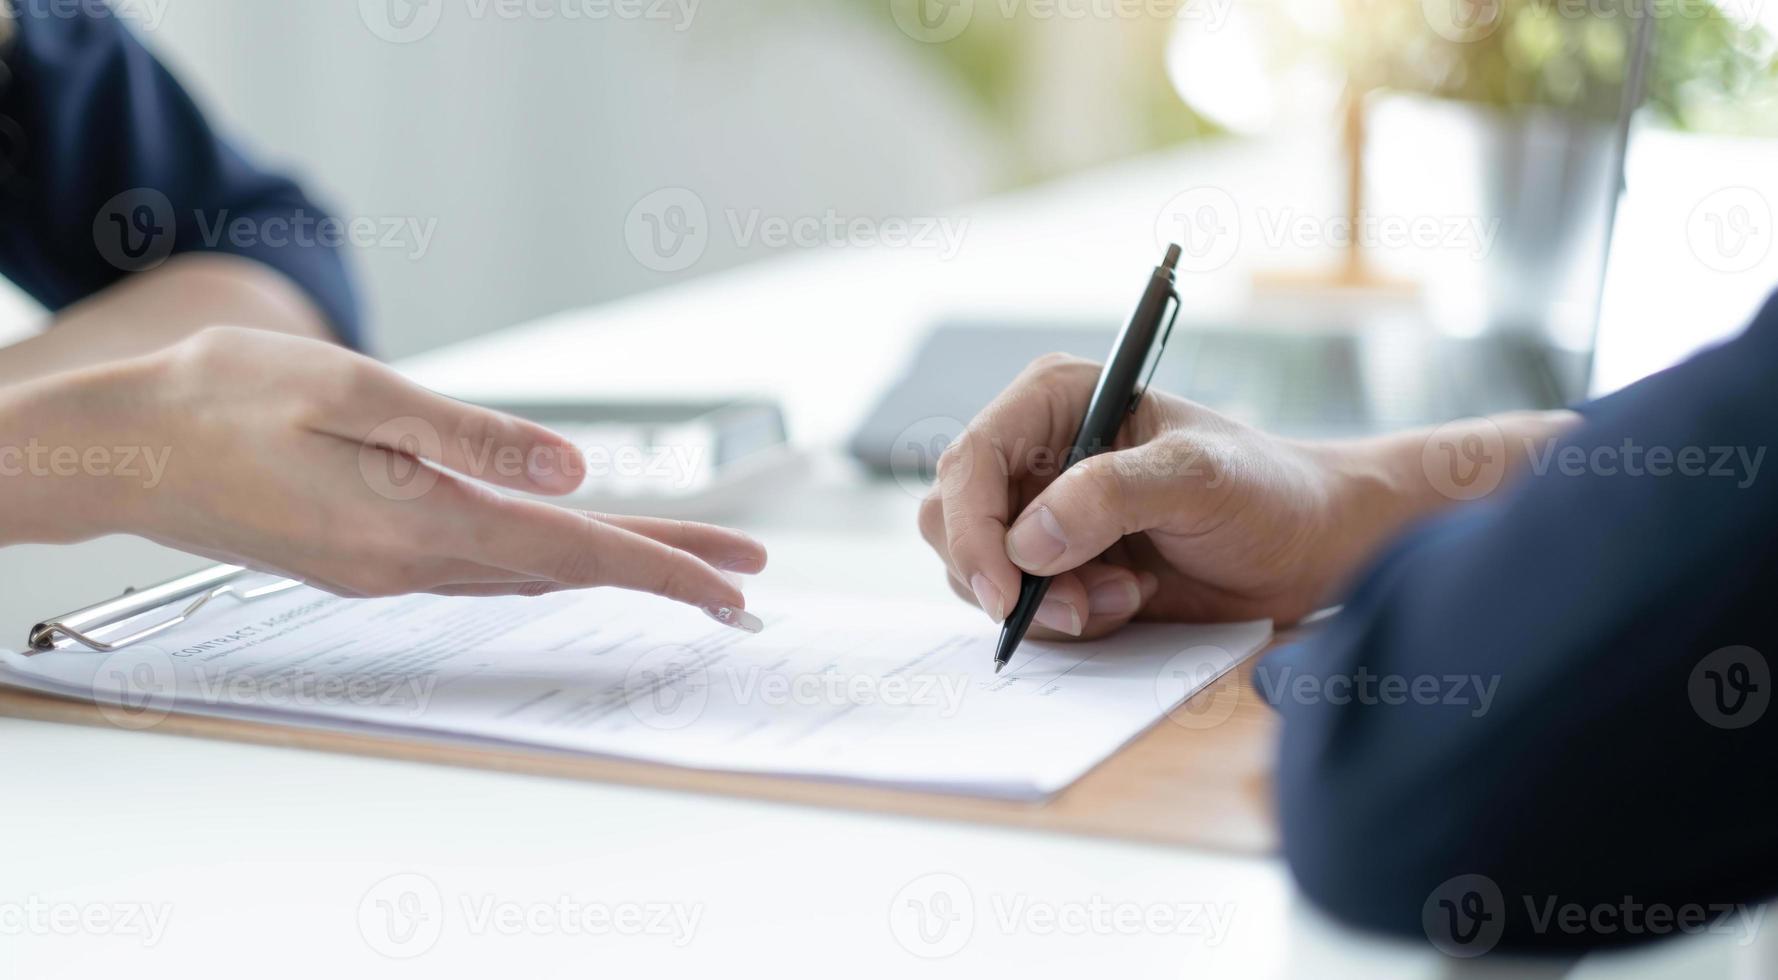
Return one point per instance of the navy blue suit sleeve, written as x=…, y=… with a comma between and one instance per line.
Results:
x=111, y=168
x=1590, y=723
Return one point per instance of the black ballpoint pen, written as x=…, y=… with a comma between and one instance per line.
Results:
x=1121, y=385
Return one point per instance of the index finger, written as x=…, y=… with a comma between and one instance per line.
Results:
x=387, y=411
x=1023, y=432
x=578, y=550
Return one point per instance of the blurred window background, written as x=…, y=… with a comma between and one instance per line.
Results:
x=510, y=141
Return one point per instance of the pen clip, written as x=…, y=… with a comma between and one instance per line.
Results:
x=1160, y=348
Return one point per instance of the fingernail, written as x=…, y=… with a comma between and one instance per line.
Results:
x=1059, y=616
x=739, y=619
x=1036, y=540
x=988, y=597
x=743, y=565
x=1119, y=598
x=1149, y=583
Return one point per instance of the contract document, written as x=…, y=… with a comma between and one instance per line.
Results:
x=848, y=689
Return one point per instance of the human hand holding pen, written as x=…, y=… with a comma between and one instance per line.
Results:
x=1193, y=517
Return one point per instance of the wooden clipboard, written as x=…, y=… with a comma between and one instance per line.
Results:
x=1201, y=777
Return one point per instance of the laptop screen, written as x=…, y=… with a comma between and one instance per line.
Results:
x=1691, y=256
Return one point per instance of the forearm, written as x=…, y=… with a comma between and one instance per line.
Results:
x=1532, y=691
x=69, y=444
x=155, y=309
x=1385, y=483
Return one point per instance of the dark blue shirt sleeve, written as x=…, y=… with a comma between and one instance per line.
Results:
x=1542, y=722
x=111, y=168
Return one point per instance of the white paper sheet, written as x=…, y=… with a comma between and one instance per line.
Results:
x=847, y=689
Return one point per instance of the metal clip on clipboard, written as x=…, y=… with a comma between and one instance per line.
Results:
x=89, y=627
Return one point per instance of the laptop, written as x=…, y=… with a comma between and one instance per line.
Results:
x=1336, y=381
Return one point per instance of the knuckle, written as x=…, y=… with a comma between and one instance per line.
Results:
x=954, y=457
x=1100, y=486
x=932, y=518
x=679, y=530
x=480, y=430
x=1053, y=366
x=672, y=579
x=579, y=561
x=200, y=356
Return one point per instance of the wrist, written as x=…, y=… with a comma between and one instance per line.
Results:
x=1376, y=487
x=73, y=457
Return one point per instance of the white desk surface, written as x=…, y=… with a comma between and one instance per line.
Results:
x=267, y=857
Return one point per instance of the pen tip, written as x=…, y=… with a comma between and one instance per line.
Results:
x=1172, y=259
x=999, y=664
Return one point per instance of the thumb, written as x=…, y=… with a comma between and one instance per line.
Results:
x=1100, y=500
